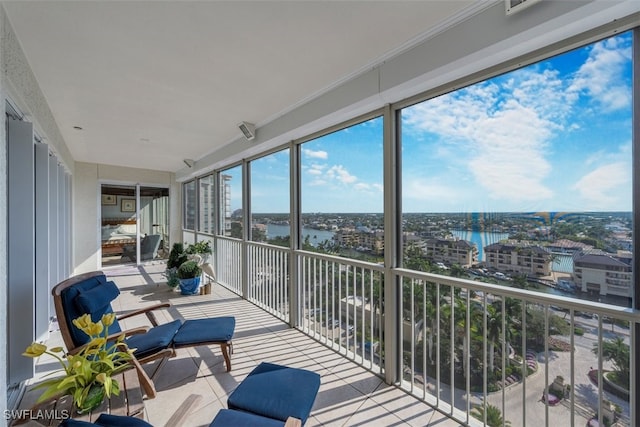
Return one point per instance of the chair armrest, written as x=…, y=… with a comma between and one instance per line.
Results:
x=147, y=311
x=293, y=422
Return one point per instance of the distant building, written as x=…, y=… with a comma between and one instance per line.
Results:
x=451, y=252
x=518, y=258
x=362, y=239
x=606, y=274
x=566, y=246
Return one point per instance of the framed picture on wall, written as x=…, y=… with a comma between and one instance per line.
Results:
x=128, y=205
x=108, y=199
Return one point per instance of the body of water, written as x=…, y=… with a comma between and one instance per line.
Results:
x=480, y=238
x=315, y=236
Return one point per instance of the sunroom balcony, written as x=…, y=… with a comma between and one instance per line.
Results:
x=551, y=348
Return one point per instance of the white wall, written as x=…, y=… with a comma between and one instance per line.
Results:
x=87, y=180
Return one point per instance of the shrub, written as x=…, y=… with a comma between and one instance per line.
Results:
x=177, y=256
x=189, y=270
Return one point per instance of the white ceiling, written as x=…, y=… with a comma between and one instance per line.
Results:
x=154, y=82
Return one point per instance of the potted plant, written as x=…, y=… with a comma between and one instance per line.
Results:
x=87, y=374
x=199, y=251
x=177, y=257
x=189, y=274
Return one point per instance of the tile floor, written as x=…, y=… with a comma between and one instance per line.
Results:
x=349, y=395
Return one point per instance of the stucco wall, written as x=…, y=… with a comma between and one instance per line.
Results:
x=87, y=180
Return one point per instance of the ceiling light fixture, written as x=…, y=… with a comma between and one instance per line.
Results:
x=248, y=130
x=189, y=162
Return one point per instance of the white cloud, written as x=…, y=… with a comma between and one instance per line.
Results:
x=320, y=154
x=341, y=174
x=599, y=186
x=601, y=76
x=502, y=141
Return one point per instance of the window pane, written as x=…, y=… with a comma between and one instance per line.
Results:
x=342, y=197
x=526, y=178
x=231, y=202
x=189, y=205
x=270, y=199
x=207, y=204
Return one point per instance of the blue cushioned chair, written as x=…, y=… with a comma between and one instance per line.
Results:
x=92, y=293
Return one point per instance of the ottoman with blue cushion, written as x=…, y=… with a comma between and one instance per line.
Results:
x=273, y=391
x=178, y=334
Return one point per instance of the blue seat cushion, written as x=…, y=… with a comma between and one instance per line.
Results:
x=216, y=329
x=108, y=420
x=276, y=391
x=228, y=418
x=70, y=422
x=156, y=339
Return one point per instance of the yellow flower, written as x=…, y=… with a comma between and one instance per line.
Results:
x=108, y=319
x=35, y=350
x=56, y=350
x=95, y=329
x=83, y=322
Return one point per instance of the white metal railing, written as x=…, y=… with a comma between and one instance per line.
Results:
x=268, y=268
x=512, y=349
x=504, y=349
x=342, y=304
x=228, y=254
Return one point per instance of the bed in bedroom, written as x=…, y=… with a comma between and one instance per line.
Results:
x=117, y=233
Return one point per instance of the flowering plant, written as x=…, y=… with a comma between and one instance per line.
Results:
x=88, y=373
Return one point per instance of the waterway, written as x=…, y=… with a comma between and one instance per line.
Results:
x=561, y=263
x=315, y=236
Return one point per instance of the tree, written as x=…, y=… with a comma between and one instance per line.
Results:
x=616, y=352
x=493, y=414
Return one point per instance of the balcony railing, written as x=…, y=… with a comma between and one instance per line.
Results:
x=536, y=358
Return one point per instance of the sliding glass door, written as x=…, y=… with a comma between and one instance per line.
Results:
x=135, y=224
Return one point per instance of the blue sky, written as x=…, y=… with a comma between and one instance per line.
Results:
x=554, y=136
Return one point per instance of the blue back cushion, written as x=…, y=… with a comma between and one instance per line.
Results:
x=73, y=309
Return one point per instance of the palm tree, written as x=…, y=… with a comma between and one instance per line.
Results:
x=617, y=352
x=494, y=329
x=492, y=413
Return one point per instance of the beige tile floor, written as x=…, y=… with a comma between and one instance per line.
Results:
x=349, y=394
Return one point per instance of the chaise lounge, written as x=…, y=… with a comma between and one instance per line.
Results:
x=92, y=293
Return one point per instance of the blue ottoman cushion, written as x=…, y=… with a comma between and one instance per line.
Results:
x=156, y=339
x=228, y=418
x=108, y=420
x=277, y=391
x=216, y=329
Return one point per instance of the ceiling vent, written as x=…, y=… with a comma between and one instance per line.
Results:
x=514, y=6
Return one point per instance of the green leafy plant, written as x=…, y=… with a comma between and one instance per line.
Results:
x=201, y=247
x=177, y=256
x=189, y=270
x=90, y=370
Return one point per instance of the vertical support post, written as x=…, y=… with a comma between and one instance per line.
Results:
x=393, y=249
x=634, y=415
x=246, y=227
x=295, y=301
